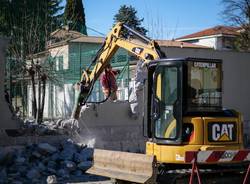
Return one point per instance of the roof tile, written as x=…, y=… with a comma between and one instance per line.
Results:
x=226, y=30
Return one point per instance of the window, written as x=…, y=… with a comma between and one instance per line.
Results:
x=166, y=92
x=204, y=85
x=59, y=63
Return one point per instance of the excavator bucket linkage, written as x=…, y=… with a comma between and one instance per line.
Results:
x=133, y=167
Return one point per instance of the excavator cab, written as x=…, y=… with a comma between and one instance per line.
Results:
x=181, y=87
x=165, y=90
x=185, y=109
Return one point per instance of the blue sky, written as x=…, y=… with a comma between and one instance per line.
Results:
x=165, y=19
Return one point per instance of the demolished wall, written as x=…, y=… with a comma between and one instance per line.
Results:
x=110, y=126
x=7, y=120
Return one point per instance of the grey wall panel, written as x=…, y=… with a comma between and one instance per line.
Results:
x=6, y=118
x=236, y=82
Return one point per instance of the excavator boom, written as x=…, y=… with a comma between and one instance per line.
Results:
x=121, y=36
x=132, y=167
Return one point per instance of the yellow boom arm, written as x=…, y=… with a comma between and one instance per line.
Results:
x=138, y=44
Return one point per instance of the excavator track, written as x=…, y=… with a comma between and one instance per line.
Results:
x=210, y=174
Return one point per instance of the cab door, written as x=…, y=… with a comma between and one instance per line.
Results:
x=166, y=115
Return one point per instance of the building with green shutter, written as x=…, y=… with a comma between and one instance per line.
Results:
x=71, y=52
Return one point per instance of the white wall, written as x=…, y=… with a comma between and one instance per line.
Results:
x=61, y=51
x=209, y=42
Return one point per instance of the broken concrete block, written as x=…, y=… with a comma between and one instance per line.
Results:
x=13, y=176
x=66, y=155
x=55, y=157
x=7, y=158
x=77, y=173
x=70, y=165
x=87, y=154
x=41, y=130
x=69, y=149
x=20, y=160
x=22, y=169
x=41, y=166
x=51, y=179
x=46, y=148
x=70, y=124
x=51, y=171
x=79, y=157
x=3, y=175
x=52, y=164
x=36, y=154
x=58, y=122
x=84, y=165
x=33, y=173
x=63, y=173
x=17, y=182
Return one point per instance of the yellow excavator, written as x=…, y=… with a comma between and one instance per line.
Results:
x=183, y=113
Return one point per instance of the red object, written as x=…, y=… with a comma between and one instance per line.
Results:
x=191, y=136
x=247, y=175
x=108, y=80
x=241, y=155
x=217, y=156
x=195, y=170
x=196, y=157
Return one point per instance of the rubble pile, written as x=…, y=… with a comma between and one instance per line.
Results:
x=45, y=163
x=59, y=127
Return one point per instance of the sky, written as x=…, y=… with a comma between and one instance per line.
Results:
x=164, y=19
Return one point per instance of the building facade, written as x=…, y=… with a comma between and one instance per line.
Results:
x=218, y=38
x=69, y=59
x=70, y=52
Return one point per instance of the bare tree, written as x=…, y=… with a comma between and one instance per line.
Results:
x=30, y=26
x=237, y=13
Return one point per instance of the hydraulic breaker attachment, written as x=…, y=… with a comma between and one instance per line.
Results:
x=133, y=167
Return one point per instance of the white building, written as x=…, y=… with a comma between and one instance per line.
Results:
x=218, y=38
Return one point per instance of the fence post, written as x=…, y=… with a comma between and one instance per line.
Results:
x=195, y=170
x=246, y=176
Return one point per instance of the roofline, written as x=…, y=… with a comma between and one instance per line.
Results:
x=88, y=37
x=208, y=36
x=99, y=40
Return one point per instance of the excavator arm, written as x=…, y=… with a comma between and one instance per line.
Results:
x=134, y=42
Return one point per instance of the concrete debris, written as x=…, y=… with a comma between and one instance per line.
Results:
x=33, y=173
x=137, y=89
x=3, y=175
x=59, y=127
x=86, y=154
x=70, y=165
x=84, y=165
x=51, y=179
x=20, y=160
x=46, y=148
x=45, y=163
x=64, y=173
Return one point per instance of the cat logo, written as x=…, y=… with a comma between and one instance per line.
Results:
x=137, y=50
x=222, y=131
